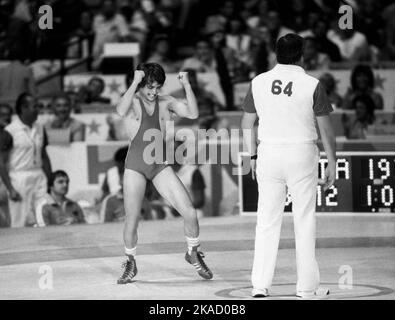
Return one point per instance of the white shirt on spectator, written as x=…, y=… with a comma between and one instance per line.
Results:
x=349, y=47
x=107, y=31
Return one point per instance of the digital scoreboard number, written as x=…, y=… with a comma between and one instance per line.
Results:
x=365, y=182
x=375, y=184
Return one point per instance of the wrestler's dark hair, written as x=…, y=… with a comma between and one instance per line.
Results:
x=153, y=72
x=55, y=175
x=289, y=48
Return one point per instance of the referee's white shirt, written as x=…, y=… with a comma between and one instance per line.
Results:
x=287, y=100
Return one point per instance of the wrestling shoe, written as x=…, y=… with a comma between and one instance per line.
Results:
x=259, y=293
x=317, y=294
x=130, y=271
x=196, y=259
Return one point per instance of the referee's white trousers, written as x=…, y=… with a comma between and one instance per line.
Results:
x=281, y=168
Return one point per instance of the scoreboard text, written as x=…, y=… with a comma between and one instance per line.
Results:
x=365, y=182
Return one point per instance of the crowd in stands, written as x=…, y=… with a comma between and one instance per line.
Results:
x=233, y=39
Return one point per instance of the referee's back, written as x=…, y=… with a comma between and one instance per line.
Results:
x=286, y=101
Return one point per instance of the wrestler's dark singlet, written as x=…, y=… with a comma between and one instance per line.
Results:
x=134, y=159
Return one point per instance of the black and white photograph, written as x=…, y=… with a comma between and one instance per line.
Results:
x=197, y=156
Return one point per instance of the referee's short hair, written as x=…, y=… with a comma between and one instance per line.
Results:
x=289, y=48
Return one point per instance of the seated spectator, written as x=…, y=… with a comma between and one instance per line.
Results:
x=70, y=129
x=369, y=21
x=324, y=45
x=58, y=209
x=312, y=59
x=329, y=83
x=161, y=54
x=5, y=147
x=299, y=15
x=85, y=34
x=352, y=44
x=207, y=103
x=219, y=20
x=16, y=78
x=259, y=19
x=92, y=92
x=362, y=81
x=263, y=57
x=208, y=59
x=109, y=26
x=275, y=26
x=204, y=58
x=312, y=19
x=112, y=183
x=146, y=19
x=364, y=117
x=239, y=41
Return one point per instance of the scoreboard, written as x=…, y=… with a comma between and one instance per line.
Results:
x=365, y=182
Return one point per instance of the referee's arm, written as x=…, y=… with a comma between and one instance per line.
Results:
x=248, y=121
x=322, y=109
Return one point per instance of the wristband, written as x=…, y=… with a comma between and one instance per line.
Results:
x=254, y=157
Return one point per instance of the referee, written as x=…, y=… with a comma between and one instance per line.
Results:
x=287, y=103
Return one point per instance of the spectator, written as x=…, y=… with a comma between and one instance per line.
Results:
x=206, y=59
x=324, y=45
x=207, y=103
x=71, y=129
x=5, y=147
x=259, y=19
x=28, y=163
x=312, y=59
x=149, y=19
x=16, y=78
x=113, y=180
x=161, y=54
x=85, y=34
x=329, y=83
x=299, y=14
x=93, y=92
x=276, y=27
x=369, y=22
x=57, y=208
x=239, y=42
x=364, y=117
x=219, y=21
x=19, y=35
x=113, y=209
x=263, y=57
x=352, y=44
x=362, y=81
x=312, y=19
x=109, y=26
